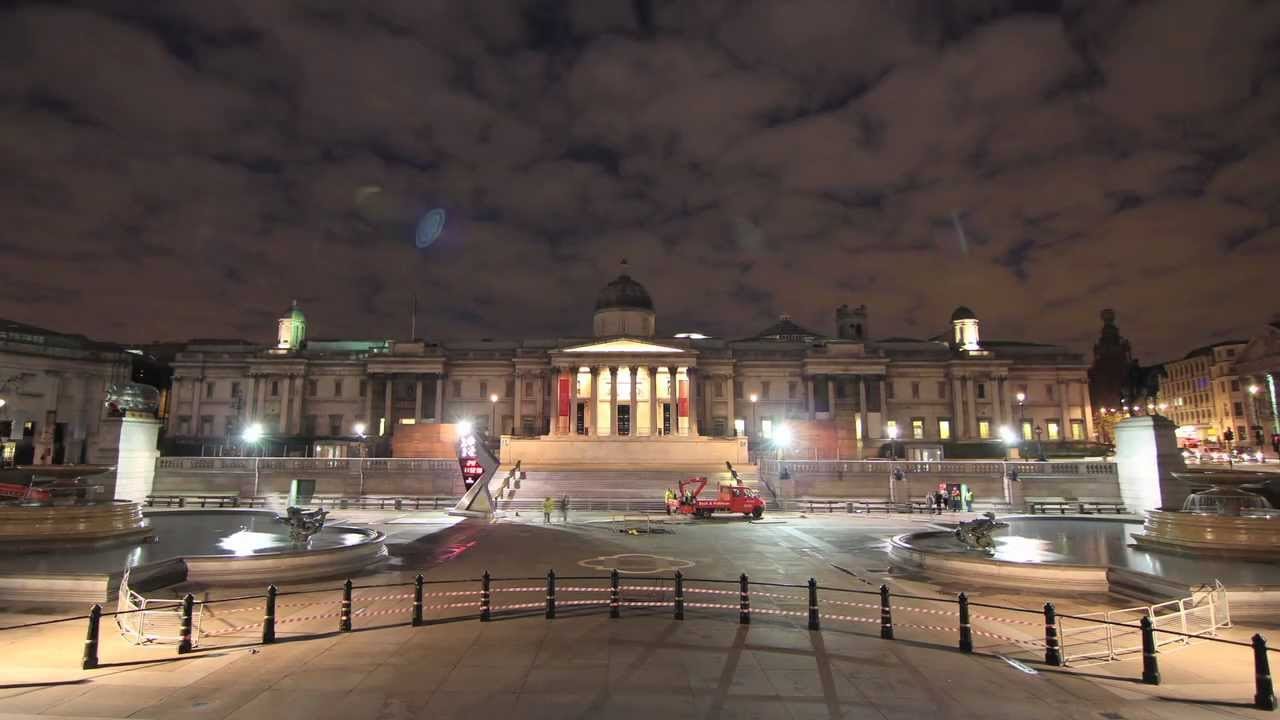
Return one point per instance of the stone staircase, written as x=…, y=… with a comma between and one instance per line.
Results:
x=604, y=488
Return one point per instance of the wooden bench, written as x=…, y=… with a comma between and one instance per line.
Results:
x=1045, y=504
x=1099, y=504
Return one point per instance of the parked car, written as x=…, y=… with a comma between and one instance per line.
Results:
x=1248, y=455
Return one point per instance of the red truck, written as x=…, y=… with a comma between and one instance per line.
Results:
x=732, y=498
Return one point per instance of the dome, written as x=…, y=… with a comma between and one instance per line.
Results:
x=624, y=293
x=963, y=313
x=293, y=312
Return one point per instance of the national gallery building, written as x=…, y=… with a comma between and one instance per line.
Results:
x=626, y=394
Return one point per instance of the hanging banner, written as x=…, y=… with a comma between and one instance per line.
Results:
x=564, y=397
x=683, y=390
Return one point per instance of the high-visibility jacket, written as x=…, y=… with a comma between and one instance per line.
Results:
x=548, y=505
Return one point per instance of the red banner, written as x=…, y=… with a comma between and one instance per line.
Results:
x=564, y=397
x=683, y=393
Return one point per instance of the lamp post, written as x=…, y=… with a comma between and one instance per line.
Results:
x=781, y=441
x=1009, y=437
x=252, y=435
x=1022, y=400
x=493, y=413
x=1040, y=444
x=359, y=429
x=1253, y=402
x=893, y=441
x=751, y=432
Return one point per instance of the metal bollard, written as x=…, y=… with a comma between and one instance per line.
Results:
x=90, y=660
x=886, y=615
x=1052, y=655
x=1150, y=665
x=269, y=617
x=744, y=600
x=966, y=632
x=418, y=583
x=679, y=599
x=344, y=612
x=813, y=605
x=551, y=594
x=184, y=629
x=1264, y=695
x=614, y=600
x=484, y=597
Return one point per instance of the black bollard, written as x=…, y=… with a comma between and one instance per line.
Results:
x=269, y=617
x=679, y=600
x=1052, y=655
x=886, y=615
x=744, y=600
x=551, y=594
x=966, y=632
x=184, y=630
x=344, y=612
x=1264, y=695
x=484, y=597
x=91, y=639
x=813, y=605
x=1150, y=665
x=615, y=609
x=418, y=583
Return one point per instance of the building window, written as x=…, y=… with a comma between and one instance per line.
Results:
x=764, y=392
x=891, y=428
x=275, y=388
x=791, y=390
x=982, y=391
x=313, y=388
x=509, y=389
x=337, y=389
x=235, y=389
x=944, y=428
x=915, y=391
x=484, y=390
x=208, y=390
x=1238, y=408
x=457, y=388
x=1028, y=430
x=206, y=426
x=888, y=389
x=984, y=428
x=719, y=388
x=1235, y=386
x=766, y=427
x=917, y=428
x=1048, y=391
x=737, y=390
x=335, y=425
x=840, y=389
x=184, y=425
x=942, y=390
x=364, y=388
x=528, y=392
x=1077, y=429
x=309, y=425
x=1054, y=429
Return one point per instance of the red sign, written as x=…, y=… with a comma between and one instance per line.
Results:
x=682, y=389
x=471, y=471
x=564, y=397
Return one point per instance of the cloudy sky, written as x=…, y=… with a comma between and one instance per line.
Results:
x=184, y=168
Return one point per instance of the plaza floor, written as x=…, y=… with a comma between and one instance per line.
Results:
x=585, y=664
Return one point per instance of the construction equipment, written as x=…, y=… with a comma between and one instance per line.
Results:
x=731, y=498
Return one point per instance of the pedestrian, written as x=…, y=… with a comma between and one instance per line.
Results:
x=547, y=506
x=928, y=502
x=955, y=500
x=1275, y=443
x=564, y=509
x=968, y=500
x=939, y=500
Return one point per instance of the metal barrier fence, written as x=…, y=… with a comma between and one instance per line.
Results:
x=1085, y=641
x=488, y=597
x=148, y=620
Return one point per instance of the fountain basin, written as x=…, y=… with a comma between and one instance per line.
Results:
x=27, y=527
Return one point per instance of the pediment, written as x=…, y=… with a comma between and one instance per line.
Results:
x=625, y=346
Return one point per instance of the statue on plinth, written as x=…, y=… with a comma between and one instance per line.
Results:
x=304, y=523
x=976, y=534
x=133, y=399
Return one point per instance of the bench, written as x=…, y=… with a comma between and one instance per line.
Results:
x=193, y=501
x=1084, y=506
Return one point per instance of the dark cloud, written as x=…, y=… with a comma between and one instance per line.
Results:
x=187, y=167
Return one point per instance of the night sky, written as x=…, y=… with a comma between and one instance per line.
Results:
x=184, y=168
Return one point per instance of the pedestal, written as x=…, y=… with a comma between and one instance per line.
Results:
x=1147, y=455
x=136, y=459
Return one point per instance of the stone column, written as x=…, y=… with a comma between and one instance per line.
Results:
x=589, y=423
x=1064, y=408
x=958, y=430
x=197, y=392
x=884, y=406
x=517, y=403
x=673, y=374
x=386, y=406
x=733, y=416
x=809, y=389
x=653, y=402
x=417, y=398
x=971, y=399
x=439, y=397
x=1086, y=406
x=997, y=403
x=298, y=398
x=690, y=374
x=540, y=404
x=286, y=381
x=613, y=401
x=862, y=413
x=573, y=401
x=634, y=407
x=371, y=428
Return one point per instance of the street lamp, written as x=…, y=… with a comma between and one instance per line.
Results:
x=1040, y=444
x=893, y=441
x=1009, y=437
x=252, y=434
x=493, y=414
x=359, y=429
x=754, y=398
x=1253, y=401
x=464, y=428
x=781, y=441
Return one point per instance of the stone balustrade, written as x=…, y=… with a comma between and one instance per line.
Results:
x=308, y=465
x=944, y=467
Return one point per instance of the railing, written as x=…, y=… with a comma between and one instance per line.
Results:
x=281, y=500
x=770, y=467
x=1202, y=614
x=145, y=620
x=489, y=597
x=309, y=465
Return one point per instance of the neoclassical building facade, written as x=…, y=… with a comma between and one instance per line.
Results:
x=842, y=394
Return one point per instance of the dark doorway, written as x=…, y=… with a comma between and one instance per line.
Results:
x=666, y=418
x=581, y=421
x=624, y=419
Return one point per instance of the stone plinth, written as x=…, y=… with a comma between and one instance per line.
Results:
x=1147, y=455
x=136, y=462
x=623, y=451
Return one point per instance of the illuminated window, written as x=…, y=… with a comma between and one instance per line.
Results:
x=1077, y=429
x=944, y=428
x=1054, y=429
x=1028, y=430
x=917, y=427
x=766, y=427
x=891, y=428
x=984, y=428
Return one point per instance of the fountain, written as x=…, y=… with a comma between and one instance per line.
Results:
x=46, y=507
x=1222, y=521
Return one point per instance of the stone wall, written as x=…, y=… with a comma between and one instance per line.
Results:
x=235, y=476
